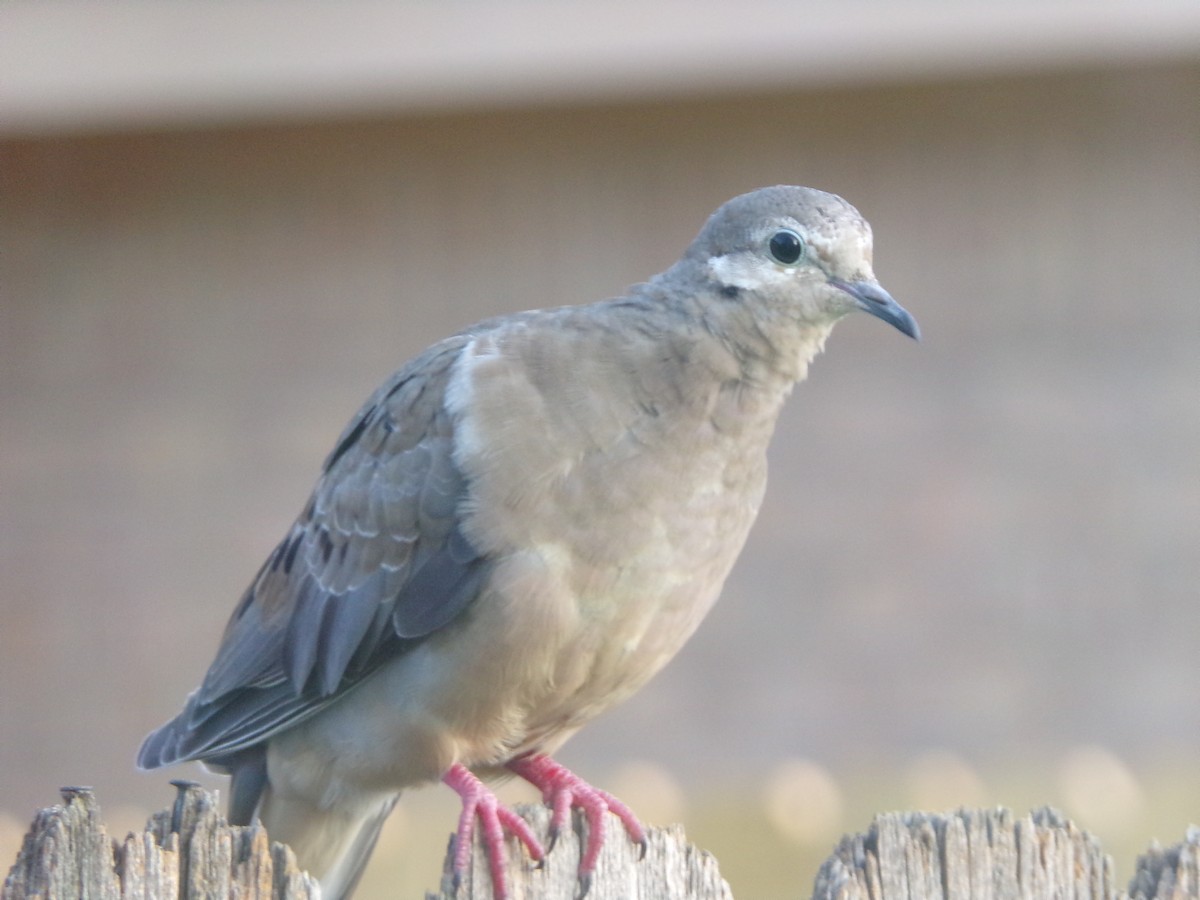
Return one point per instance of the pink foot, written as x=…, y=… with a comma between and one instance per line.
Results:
x=562, y=789
x=477, y=800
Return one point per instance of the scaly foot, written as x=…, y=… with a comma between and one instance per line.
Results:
x=562, y=789
x=478, y=800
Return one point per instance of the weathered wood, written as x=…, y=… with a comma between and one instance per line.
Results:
x=964, y=855
x=188, y=852
x=671, y=868
x=1170, y=874
x=976, y=854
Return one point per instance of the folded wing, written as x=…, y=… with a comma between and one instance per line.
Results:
x=374, y=564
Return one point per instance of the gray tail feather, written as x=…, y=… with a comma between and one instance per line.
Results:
x=332, y=843
x=249, y=779
x=354, y=862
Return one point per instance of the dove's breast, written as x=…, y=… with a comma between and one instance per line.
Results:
x=613, y=520
x=609, y=520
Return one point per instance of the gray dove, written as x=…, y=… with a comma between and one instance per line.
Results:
x=515, y=532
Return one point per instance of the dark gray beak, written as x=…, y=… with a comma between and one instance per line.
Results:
x=871, y=298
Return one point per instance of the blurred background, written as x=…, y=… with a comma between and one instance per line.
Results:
x=976, y=576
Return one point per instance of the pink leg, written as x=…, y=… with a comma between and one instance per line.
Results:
x=561, y=789
x=494, y=818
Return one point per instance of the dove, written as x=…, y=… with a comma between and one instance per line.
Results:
x=517, y=530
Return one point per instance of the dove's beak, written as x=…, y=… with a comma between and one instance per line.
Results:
x=871, y=298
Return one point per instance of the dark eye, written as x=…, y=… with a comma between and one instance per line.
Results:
x=786, y=246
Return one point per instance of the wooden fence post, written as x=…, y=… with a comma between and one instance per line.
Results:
x=185, y=853
x=967, y=854
x=990, y=855
x=189, y=853
x=671, y=868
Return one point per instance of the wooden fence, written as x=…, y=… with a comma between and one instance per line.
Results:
x=188, y=852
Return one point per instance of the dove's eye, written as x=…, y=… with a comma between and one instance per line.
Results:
x=786, y=246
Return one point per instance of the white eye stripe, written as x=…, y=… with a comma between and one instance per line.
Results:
x=746, y=271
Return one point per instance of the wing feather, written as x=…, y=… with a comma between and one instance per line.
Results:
x=374, y=564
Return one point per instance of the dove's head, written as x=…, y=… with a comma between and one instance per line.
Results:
x=797, y=255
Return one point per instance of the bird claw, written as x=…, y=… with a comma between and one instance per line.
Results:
x=562, y=790
x=478, y=802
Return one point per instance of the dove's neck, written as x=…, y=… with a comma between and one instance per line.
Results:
x=773, y=349
x=714, y=357
x=782, y=356
x=772, y=344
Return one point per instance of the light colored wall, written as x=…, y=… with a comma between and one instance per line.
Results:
x=73, y=66
x=985, y=542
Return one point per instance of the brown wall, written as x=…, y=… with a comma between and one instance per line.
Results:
x=189, y=318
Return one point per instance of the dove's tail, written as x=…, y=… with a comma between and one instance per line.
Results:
x=332, y=842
